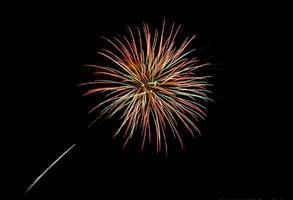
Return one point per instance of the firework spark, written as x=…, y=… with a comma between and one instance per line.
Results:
x=152, y=85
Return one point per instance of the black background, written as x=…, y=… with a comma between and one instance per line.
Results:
x=242, y=152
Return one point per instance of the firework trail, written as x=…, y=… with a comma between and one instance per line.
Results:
x=152, y=84
x=48, y=168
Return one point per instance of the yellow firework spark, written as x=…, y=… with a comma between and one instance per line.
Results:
x=152, y=84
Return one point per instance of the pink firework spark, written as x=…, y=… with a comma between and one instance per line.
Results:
x=153, y=83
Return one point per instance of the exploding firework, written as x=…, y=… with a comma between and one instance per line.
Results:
x=153, y=85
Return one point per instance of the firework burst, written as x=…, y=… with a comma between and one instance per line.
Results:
x=152, y=84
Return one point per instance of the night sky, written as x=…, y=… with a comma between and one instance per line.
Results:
x=241, y=152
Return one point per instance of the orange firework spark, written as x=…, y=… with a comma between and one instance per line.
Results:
x=152, y=83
